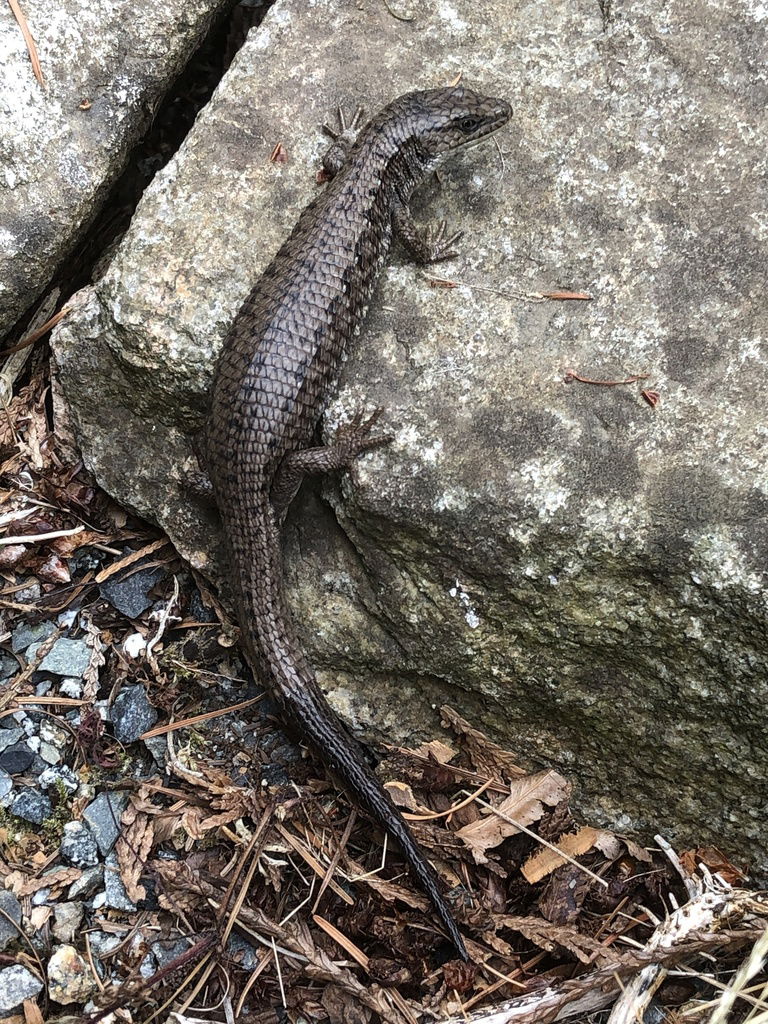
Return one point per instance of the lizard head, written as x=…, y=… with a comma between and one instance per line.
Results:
x=443, y=119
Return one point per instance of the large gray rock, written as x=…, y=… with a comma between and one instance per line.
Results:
x=106, y=66
x=581, y=574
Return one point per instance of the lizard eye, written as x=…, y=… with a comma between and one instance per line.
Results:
x=468, y=124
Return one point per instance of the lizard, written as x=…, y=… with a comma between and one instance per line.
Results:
x=276, y=369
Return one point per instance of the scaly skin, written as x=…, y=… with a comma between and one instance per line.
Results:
x=278, y=364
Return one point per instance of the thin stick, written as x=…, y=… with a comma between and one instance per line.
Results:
x=31, y=48
x=33, y=539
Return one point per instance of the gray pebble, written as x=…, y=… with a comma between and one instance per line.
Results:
x=17, y=983
x=67, y=918
x=166, y=950
x=32, y=806
x=16, y=759
x=24, y=635
x=132, y=714
x=10, y=906
x=71, y=687
x=87, y=884
x=8, y=665
x=117, y=897
x=78, y=845
x=102, y=942
x=10, y=736
x=67, y=658
x=130, y=595
x=6, y=786
x=103, y=815
x=63, y=774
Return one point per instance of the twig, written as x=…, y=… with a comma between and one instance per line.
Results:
x=31, y=48
x=751, y=966
x=37, y=537
x=398, y=17
x=572, y=375
x=453, y=808
x=38, y=333
x=185, y=723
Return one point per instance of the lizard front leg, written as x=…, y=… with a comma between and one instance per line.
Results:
x=424, y=246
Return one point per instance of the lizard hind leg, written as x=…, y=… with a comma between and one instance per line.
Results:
x=352, y=440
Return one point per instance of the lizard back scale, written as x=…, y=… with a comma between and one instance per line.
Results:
x=277, y=366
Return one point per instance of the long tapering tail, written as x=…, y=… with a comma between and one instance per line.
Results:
x=271, y=644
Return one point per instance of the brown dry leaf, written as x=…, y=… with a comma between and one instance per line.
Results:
x=548, y=936
x=21, y=885
x=544, y=861
x=487, y=757
x=38, y=917
x=32, y=1014
x=437, y=751
x=715, y=860
x=196, y=821
x=133, y=846
x=402, y=796
x=525, y=804
x=564, y=894
x=93, y=640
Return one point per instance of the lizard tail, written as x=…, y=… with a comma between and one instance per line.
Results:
x=271, y=645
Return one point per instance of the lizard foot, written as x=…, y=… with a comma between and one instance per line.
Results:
x=354, y=438
x=440, y=243
x=343, y=139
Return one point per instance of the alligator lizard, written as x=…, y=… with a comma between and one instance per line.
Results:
x=279, y=361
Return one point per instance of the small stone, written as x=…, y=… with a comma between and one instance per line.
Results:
x=25, y=634
x=79, y=846
x=43, y=688
x=131, y=595
x=132, y=714
x=6, y=786
x=63, y=775
x=29, y=595
x=103, y=943
x=69, y=977
x=8, y=665
x=243, y=952
x=54, y=733
x=32, y=806
x=10, y=736
x=167, y=950
x=158, y=748
x=71, y=687
x=41, y=897
x=54, y=740
x=10, y=906
x=117, y=897
x=67, y=918
x=67, y=658
x=87, y=884
x=103, y=815
x=16, y=759
x=50, y=754
x=17, y=984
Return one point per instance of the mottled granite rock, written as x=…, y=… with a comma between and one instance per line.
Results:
x=580, y=574
x=106, y=66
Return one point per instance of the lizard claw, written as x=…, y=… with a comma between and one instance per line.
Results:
x=353, y=439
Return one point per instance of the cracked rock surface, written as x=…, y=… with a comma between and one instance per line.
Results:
x=105, y=66
x=578, y=573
